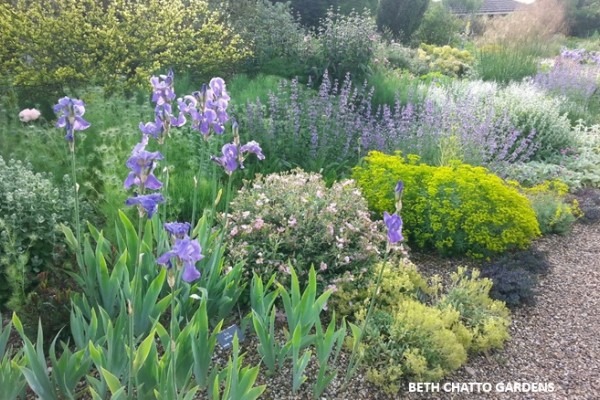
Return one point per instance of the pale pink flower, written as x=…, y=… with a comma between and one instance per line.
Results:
x=323, y=266
x=29, y=114
x=292, y=222
x=258, y=223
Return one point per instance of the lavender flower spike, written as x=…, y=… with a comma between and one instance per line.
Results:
x=394, y=225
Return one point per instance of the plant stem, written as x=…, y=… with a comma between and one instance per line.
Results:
x=354, y=360
x=77, y=221
x=172, y=344
x=130, y=305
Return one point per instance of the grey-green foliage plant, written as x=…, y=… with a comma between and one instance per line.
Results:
x=347, y=43
x=31, y=207
x=263, y=319
x=238, y=382
x=12, y=381
x=328, y=345
x=302, y=313
x=65, y=373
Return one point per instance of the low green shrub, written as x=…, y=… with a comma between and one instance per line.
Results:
x=31, y=207
x=554, y=213
x=447, y=60
x=456, y=209
x=293, y=217
x=420, y=331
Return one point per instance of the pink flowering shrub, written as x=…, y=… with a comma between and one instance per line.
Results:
x=294, y=218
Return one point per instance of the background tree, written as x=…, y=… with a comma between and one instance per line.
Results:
x=583, y=17
x=401, y=17
x=439, y=26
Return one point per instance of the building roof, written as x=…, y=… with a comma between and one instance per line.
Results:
x=492, y=7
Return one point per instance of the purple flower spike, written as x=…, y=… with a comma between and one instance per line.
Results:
x=178, y=230
x=394, y=225
x=163, y=88
x=149, y=202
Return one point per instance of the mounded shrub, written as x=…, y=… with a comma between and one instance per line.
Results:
x=420, y=331
x=293, y=217
x=456, y=209
x=31, y=207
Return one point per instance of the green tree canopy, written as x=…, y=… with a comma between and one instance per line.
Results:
x=401, y=17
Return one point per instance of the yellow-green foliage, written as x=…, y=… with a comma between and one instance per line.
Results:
x=455, y=209
x=114, y=42
x=554, y=212
x=487, y=319
x=445, y=59
x=419, y=331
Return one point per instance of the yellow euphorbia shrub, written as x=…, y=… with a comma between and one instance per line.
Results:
x=455, y=209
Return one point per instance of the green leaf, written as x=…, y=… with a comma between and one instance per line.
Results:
x=142, y=353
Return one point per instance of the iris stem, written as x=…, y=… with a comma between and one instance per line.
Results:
x=354, y=358
x=172, y=344
x=77, y=220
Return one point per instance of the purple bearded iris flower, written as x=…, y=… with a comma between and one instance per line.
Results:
x=229, y=159
x=163, y=88
x=187, y=252
x=147, y=203
x=142, y=164
x=70, y=112
x=394, y=225
x=207, y=107
x=234, y=154
x=177, y=230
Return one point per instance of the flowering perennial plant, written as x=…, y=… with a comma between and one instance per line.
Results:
x=70, y=116
x=339, y=124
x=207, y=108
x=573, y=74
x=234, y=154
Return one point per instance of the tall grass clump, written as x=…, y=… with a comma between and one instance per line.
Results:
x=511, y=45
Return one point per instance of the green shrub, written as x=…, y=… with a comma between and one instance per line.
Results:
x=439, y=26
x=447, y=60
x=554, y=213
x=420, y=331
x=347, y=44
x=274, y=35
x=294, y=217
x=68, y=42
x=31, y=207
x=486, y=319
x=457, y=209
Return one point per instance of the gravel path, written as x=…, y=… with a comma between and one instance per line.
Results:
x=556, y=343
